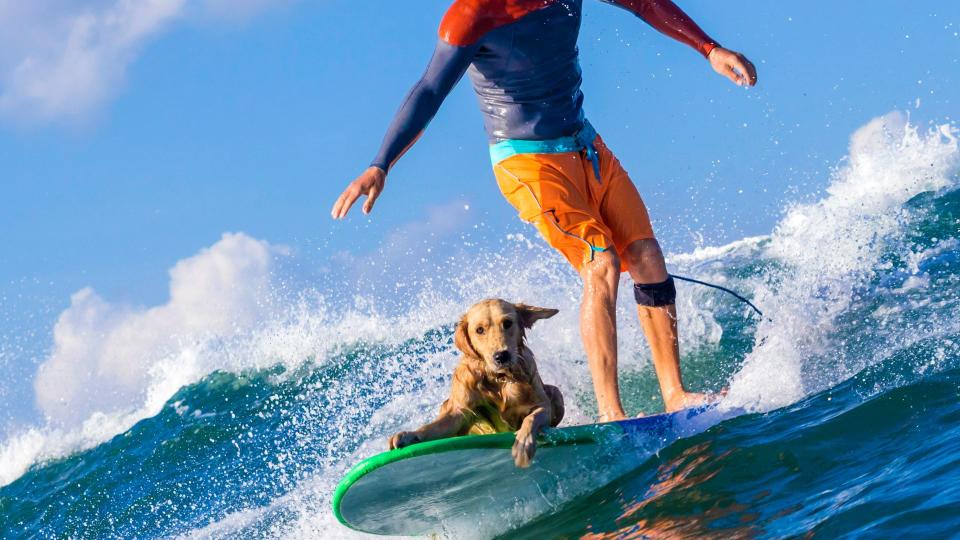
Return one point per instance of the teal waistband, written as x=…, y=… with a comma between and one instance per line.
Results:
x=583, y=140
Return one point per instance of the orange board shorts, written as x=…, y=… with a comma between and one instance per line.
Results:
x=577, y=213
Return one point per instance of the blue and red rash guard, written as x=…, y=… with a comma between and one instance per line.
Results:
x=523, y=61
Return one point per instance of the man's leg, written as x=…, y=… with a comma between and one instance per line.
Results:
x=598, y=329
x=657, y=310
x=558, y=194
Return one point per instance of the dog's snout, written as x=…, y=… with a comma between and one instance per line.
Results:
x=501, y=357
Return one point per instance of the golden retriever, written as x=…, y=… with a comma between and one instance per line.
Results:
x=496, y=386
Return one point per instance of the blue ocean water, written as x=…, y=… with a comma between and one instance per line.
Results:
x=851, y=385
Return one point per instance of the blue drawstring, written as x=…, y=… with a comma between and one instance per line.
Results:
x=595, y=160
x=585, y=139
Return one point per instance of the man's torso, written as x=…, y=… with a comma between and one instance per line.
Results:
x=525, y=70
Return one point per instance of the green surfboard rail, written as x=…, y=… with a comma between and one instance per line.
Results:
x=587, y=434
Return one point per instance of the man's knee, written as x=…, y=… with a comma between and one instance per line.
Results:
x=654, y=287
x=645, y=261
x=643, y=252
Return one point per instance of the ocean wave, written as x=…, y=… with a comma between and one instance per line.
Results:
x=270, y=392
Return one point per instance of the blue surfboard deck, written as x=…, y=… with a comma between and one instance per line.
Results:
x=469, y=486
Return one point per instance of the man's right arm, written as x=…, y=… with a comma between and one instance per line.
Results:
x=446, y=67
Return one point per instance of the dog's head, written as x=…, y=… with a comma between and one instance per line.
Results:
x=493, y=331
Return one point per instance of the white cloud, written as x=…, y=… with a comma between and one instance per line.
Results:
x=61, y=59
x=105, y=355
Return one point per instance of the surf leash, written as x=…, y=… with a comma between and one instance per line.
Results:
x=719, y=288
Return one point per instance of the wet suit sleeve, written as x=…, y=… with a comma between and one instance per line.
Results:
x=445, y=69
x=669, y=19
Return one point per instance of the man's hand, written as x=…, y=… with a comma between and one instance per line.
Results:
x=370, y=183
x=733, y=66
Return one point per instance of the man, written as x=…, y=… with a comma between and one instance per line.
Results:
x=522, y=58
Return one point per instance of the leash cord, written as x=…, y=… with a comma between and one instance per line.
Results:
x=719, y=288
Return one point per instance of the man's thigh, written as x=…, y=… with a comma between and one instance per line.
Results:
x=551, y=191
x=621, y=207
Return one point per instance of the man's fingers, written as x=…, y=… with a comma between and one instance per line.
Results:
x=371, y=198
x=351, y=197
x=751, y=72
x=342, y=205
x=732, y=74
x=747, y=72
x=335, y=213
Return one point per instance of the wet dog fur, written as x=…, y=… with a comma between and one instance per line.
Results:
x=496, y=387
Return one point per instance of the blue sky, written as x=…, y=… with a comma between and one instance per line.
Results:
x=197, y=117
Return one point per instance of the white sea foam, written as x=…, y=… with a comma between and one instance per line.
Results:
x=710, y=254
x=824, y=250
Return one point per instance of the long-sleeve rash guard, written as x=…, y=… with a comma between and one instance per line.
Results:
x=523, y=61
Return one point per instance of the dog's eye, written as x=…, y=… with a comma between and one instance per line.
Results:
x=479, y=330
x=507, y=323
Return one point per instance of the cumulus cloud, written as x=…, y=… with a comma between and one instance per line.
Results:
x=104, y=354
x=61, y=59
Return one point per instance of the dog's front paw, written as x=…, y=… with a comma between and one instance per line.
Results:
x=404, y=438
x=524, y=447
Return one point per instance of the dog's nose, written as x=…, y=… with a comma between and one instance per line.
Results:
x=501, y=357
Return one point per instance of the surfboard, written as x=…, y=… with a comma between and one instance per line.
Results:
x=469, y=486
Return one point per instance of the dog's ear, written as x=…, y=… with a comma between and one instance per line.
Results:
x=532, y=314
x=462, y=339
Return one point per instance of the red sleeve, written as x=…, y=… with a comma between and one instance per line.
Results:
x=468, y=20
x=669, y=19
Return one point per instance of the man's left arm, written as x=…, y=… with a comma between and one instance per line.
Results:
x=669, y=19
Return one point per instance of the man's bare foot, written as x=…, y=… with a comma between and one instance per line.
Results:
x=687, y=400
x=612, y=417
